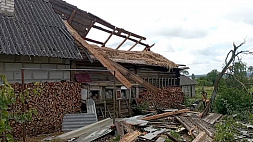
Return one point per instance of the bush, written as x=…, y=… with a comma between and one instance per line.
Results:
x=233, y=101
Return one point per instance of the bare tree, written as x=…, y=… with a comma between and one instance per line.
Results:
x=230, y=58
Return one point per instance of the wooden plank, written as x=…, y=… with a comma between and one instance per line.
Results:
x=135, y=78
x=123, y=42
x=130, y=137
x=200, y=138
x=108, y=38
x=72, y=16
x=165, y=114
x=134, y=45
x=103, y=60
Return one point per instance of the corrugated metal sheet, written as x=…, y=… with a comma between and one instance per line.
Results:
x=36, y=30
x=75, y=121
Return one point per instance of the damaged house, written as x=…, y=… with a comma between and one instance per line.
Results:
x=34, y=35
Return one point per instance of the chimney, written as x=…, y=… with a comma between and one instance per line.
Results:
x=7, y=7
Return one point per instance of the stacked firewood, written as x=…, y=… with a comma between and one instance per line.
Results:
x=52, y=100
x=167, y=97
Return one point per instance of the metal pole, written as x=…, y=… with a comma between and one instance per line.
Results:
x=23, y=105
x=114, y=98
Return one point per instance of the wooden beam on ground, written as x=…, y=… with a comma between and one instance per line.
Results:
x=135, y=77
x=130, y=137
x=104, y=61
x=123, y=42
x=134, y=45
x=200, y=138
x=72, y=16
x=165, y=114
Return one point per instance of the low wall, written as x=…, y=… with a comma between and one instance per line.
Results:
x=11, y=65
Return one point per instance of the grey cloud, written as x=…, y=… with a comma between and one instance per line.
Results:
x=241, y=14
x=180, y=32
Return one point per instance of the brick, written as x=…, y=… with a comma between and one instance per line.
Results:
x=12, y=66
x=56, y=75
x=48, y=66
x=41, y=60
x=40, y=75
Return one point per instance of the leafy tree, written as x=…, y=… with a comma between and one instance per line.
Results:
x=211, y=76
x=250, y=70
x=237, y=73
x=193, y=76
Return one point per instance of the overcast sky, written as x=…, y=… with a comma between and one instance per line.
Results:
x=197, y=33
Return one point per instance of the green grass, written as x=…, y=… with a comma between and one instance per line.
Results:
x=209, y=91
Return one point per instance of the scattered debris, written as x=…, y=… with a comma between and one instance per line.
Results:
x=176, y=125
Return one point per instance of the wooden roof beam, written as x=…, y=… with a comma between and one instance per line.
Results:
x=123, y=42
x=134, y=45
x=117, y=34
x=94, y=41
x=91, y=24
x=147, y=48
x=103, y=45
x=72, y=16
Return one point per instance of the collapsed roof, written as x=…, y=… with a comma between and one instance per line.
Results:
x=136, y=57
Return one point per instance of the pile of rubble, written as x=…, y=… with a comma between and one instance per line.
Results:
x=171, y=125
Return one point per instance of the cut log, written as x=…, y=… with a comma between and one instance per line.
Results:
x=165, y=114
x=103, y=60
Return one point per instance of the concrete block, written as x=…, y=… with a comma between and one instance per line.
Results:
x=9, y=75
x=6, y=58
x=66, y=75
x=60, y=66
x=17, y=75
x=40, y=75
x=26, y=65
x=1, y=67
x=67, y=61
x=27, y=75
x=26, y=59
x=63, y=66
x=56, y=60
x=56, y=75
x=12, y=66
x=41, y=60
x=48, y=66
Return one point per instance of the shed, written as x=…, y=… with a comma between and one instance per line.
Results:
x=188, y=86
